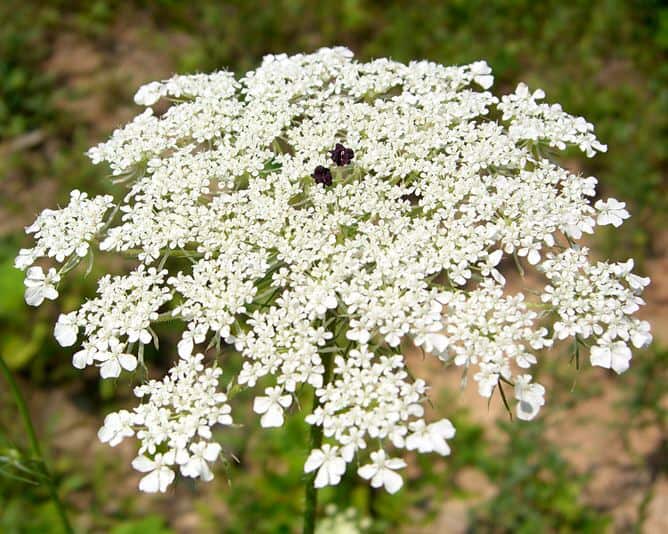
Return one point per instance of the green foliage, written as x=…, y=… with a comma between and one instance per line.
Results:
x=643, y=403
x=24, y=90
x=538, y=491
x=268, y=498
x=148, y=525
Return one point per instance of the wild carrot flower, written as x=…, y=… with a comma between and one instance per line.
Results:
x=241, y=235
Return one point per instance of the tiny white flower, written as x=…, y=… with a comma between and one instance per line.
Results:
x=641, y=335
x=271, y=407
x=359, y=334
x=160, y=476
x=615, y=356
x=352, y=441
x=427, y=438
x=148, y=94
x=84, y=357
x=115, y=359
x=482, y=74
x=189, y=338
x=487, y=379
x=530, y=397
x=329, y=464
x=66, y=329
x=432, y=340
x=637, y=283
x=381, y=471
x=117, y=426
x=25, y=259
x=611, y=212
x=40, y=286
x=201, y=454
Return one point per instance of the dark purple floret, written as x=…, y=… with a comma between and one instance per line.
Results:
x=342, y=155
x=322, y=175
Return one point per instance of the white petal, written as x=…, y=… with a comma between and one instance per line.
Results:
x=110, y=369
x=127, y=361
x=81, y=359
x=212, y=451
x=50, y=293
x=600, y=356
x=485, y=81
x=495, y=257
x=65, y=334
x=445, y=428
x=150, y=483
x=336, y=466
x=185, y=347
x=313, y=461
x=621, y=357
x=143, y=464
x=273, y=417
x=205, y=472
x=322, y=478
x=395, y=463
x=261, y=404
x=534, y=257
x=105, y=434
x=35, y=274
x=413, y=442
x=441, y=447
x=367, y=471
x=333, y=473
x=34, y=296
x=392, y=481
x=526, y=411
x=145, y=337
x=348, y=452
x=166, y=477
x=377, y=481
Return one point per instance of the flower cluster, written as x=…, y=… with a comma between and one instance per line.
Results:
x=547, y=122
x=318, y=215
x=496, y=333
x=174, y=424
x=65, y=232
x=117, y=319
x=595, y=301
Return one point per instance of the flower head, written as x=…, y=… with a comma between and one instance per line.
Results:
x=323, y=287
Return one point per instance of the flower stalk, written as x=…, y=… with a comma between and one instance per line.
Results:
x=34, y=445
x=311, y=505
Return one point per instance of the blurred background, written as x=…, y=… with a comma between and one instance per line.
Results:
x=597, y=458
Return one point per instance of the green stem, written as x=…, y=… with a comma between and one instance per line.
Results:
x=311, y=507
x=34, y=445
x=311, y=491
